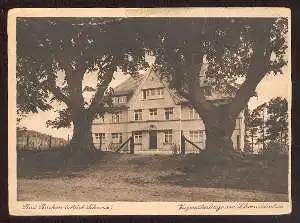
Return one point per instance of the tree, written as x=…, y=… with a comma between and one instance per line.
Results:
x=260, y=116
x=277, y=123
x=233, y=49
x=251, y=129
x=76, y=47
x=255, y=125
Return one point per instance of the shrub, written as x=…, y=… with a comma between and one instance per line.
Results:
x=275, y=149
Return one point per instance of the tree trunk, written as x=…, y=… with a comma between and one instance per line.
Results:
x=219, y=132
x=252, y=143
x=218, y=141
x=82, y=139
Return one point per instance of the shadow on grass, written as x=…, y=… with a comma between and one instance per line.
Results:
x=269, y=174
x=54, y=163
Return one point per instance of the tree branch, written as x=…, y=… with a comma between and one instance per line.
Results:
x=97, y=100
x=257, y=70
x=59, y=95
x=196, y=93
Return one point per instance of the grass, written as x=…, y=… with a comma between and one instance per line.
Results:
x=104, y=176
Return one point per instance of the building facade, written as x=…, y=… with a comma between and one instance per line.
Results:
x=155, y=116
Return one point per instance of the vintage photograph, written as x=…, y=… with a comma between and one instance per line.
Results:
x=151, y=108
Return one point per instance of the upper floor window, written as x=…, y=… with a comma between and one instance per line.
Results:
x=117, y=117
x=153, y=114
x=119, y=99
x=116, y=137
x=137, y=137
x=168, y=113
x=196, y=135
x=193, y=114
x=138, y=114
x=153, y=93
x=168, y=136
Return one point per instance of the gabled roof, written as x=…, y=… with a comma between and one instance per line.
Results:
x=131, y=84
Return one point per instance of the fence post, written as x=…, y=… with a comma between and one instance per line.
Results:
x=100, y=143
x=50, y=142
x=131, y=145
x=27, y=141
x=182, y=143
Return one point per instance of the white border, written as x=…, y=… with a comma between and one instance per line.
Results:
x=131, y=208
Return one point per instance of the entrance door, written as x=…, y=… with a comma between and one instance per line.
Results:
x=152, y=139
x=238, y=142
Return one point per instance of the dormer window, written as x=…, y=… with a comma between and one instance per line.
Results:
x=119, y=99
x=153, y=93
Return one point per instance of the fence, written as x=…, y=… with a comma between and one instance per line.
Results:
x=38, y=142
x=156, y=142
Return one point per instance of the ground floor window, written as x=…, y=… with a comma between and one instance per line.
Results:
x=196, y=135
x=168, y=136
x=137, y=137
x=100, y=137
x=116, y=137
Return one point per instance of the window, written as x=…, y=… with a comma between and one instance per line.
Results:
x=116, y=117
x=168, y=113
x=168, y=136
x=122, y=99
x=100, y=137
x=138, y=114
x=119, y=100
x=193, y=114
x=161, y=92
x=115, y=100
x=116, y=137
x=196, y=136
x=153, y=114
x=153, y=93
x=137, y=137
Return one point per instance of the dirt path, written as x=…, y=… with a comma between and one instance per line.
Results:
x=147, y=178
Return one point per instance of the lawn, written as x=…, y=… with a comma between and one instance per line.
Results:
x=45, y=176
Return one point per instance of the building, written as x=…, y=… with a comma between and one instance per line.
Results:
x=145, y=108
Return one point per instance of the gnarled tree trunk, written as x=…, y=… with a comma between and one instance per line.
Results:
x=219, y=129
x=82, y=139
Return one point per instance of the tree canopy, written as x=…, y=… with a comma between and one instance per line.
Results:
x=75, y=46
x=236, y=53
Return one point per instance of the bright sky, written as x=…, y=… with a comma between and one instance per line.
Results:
x=270, y=87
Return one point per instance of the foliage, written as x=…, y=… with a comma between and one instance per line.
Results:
x=47, y=47
x=268, y=123
x=233, y=55
x=277, y=123
x=224, y=46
